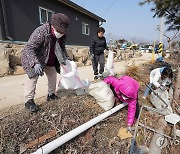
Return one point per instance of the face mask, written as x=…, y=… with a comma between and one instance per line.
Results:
x=58, y=35
x=125, y=98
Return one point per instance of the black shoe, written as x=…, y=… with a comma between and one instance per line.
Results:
x=52, y=97
x=95, y=77
x=31, y=106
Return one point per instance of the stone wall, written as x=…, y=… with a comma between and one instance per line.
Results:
x=10, y=62
x=10, y=57
x=80, y=55
x=4, y=61
x=124, y=54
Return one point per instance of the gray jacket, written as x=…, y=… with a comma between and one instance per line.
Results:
x=37, y=49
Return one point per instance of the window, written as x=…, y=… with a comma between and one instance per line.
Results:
x=85, y=29
x=44, y=15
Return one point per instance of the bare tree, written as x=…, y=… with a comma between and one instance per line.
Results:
x=170, y=39
x=168, y=9
x=134, y=40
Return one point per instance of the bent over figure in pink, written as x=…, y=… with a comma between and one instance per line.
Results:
x=125, y=90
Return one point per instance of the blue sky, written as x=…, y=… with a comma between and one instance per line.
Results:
x=125, y=18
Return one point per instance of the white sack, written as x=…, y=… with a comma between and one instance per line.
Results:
x=103, y=95
x=69, y=77
x=110, y=62
x=85, y=89
x=165, y=95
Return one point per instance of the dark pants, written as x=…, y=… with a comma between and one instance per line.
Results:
x=98, y=59
x=137, y=109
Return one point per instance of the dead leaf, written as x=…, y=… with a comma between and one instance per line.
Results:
x=123, y=134
x=50, y=134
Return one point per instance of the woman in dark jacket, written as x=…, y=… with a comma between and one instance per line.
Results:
x=44, y=52
x=97, y=47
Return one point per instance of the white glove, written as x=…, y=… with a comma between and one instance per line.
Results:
x=92, y=56
x=163, y=88
x=38, y=69
x=129, y=128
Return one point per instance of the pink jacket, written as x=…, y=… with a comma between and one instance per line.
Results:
x=129, y=87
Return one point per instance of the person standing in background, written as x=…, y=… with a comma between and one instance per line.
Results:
x=97, y=47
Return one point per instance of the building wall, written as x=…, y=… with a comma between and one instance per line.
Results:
x=2, y=30
x=23, y=18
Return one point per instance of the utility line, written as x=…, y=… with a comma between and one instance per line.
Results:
x=109, y=7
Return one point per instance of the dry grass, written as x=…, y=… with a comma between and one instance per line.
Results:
x=19, y=126
x=134, y=72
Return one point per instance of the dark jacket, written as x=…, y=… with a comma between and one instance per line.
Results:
x=37, y=49
x=98, y=45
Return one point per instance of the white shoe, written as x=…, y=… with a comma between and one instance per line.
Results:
x=100, y=76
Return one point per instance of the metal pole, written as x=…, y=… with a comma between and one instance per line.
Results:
x=157, y=96
x=161, y=30
x=131, y=150
x=142, y=125
x=161, y=34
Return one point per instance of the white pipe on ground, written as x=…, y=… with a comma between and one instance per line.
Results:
x=73, y=133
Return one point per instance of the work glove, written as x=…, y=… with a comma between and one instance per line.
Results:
x=92, y=56
x=68, y=58
x=129, y=129
x=38, y=69
x=163, y=88
x=63, y=63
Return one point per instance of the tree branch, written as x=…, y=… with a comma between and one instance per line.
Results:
x=176, y=34
x=170, y=39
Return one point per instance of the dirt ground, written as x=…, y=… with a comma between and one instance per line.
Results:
x=18, y=128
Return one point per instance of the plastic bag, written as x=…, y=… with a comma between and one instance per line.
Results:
x=165, y=95
x=140, y=149
x=69, y=77
x=172, y=118
x=103, y=95
x=85, y=89
x=110, y=62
